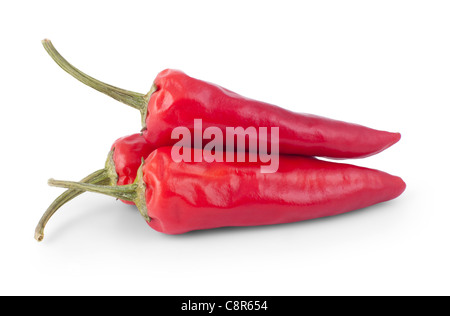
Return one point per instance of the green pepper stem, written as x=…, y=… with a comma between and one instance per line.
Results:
x=135, y=192
x=98, y=177
x=136, y=100
x=123, y=192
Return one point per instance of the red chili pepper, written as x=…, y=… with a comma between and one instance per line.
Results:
x=121, y=167
x=177, y=197
x=176, y=99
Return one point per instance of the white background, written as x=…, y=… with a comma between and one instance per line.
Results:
x=384, y=64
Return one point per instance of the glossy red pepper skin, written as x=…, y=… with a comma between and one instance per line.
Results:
x=186, y=196
x=178, y=197
x=128, y=152
x=179, y=99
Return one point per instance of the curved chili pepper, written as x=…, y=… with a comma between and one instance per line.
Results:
x=176, y=99
x=177, y=197
x=121, y=167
